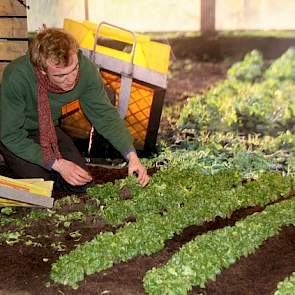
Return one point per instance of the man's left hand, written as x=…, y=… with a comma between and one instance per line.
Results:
x=135, y=165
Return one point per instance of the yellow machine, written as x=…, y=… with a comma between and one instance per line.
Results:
x=134, y=67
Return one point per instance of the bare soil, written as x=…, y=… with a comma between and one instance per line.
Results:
x=24, y=269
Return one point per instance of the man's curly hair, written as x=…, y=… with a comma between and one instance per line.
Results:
x=54, y=45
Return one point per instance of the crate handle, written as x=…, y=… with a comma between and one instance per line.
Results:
x=132, y=53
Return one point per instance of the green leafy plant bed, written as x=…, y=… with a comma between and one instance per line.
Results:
x=148, y=235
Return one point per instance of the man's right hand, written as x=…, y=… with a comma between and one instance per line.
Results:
x=71, y=172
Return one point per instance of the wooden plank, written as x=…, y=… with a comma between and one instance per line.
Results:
x=13, y=28
x=208, y=16
x=2, y=67
x=10, y=50
x=12, y=8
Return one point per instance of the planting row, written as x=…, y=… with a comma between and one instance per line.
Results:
x=126, y=198
x=248, y=101
x=250, y=155
x=203, y=258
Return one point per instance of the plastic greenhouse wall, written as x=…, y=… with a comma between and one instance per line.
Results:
x=165, y=15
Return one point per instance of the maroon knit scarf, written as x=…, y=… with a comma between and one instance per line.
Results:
x=48, y=139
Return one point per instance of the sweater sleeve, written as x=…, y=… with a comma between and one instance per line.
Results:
x=103, y=115
x=12, y=119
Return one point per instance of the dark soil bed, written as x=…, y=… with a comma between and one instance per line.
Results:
x=25, y=269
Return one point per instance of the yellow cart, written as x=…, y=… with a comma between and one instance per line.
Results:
x=134, y=67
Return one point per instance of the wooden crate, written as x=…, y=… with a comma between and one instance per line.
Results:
x=13, y=32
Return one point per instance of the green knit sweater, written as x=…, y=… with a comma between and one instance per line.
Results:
x=18, y=108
